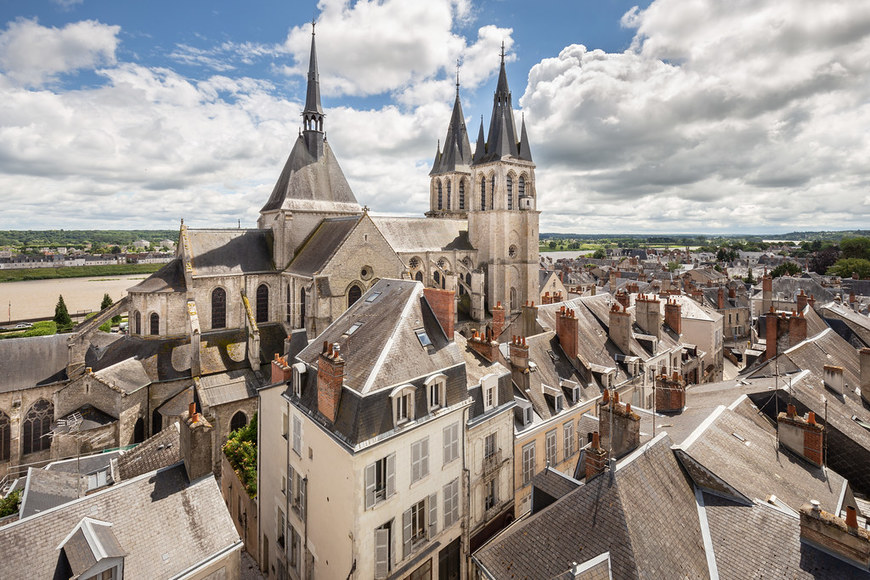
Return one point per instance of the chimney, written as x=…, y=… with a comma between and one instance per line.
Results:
x=782, y=331
x=614, y=274
x=623, y=298
x=519, y=352
x=833, y=535
x=812, y=301
x=864, y=356
x=529, y=319
x=566, y=330
x=649, y=314
x=803, y=436
x=670, y=393
x=766, y=291
x=281, y=371
x=673, y=315
x=330, y=378
x=195, y=442
x=802, y=301
x=483, y=346
x=797, y=329
x=596, y=458
x=497, y=321
x=720, y=298
x=732, y=291
x=626, y=426
x=443, y=305
x=833, y=376
x=620, y=329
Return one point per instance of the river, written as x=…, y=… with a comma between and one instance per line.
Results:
x=35, y=299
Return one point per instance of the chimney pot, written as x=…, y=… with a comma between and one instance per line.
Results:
x=615, y=397
x=817, y=507
x=325, y=347
x=605, y=397
x=851, y=518
x=791, y=411
x=191, y=410
x=811, y=418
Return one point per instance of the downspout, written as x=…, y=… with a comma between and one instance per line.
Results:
x=466, y=482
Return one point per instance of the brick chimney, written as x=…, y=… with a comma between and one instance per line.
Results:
x=195, y=442
x=732, y=291
x=833, y=377
x=623, y=297
x=803, y=436
x=497, y=321
x=802, y=301
x=670, y=393
x=720, y=298
x=620, y=329
x=840, y=538
x=673, y=315
x=596, y=458
x=766, y=291
x=519, y=353
x=864, y=357
x=443, y=305
x=529, y=318
x=649, y=314
x=626, y=425
x=614, y=274
x=782, y=331
x=566, y=330
x=330, y=378
x=281, y=371
x=483, y=346
x=812, y=301
x=797, y=329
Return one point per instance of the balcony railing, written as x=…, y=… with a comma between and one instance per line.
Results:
x=492, y=462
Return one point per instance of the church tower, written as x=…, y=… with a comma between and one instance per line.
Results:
x=312, y=185
x=450, y=178
x=502, y=217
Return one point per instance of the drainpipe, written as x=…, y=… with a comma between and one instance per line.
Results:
x=466, y=482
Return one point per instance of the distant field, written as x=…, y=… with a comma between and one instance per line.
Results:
x=19, y=275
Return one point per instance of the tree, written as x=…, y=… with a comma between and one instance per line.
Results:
x=673, y=266
x=599, y=254
x=115, y=250
x=552, y=244
x=855, y=248
x=789, y=268
x=107, y=301
x=822, y=260
x=847, y=266
x=726, y=255
x=61, y=316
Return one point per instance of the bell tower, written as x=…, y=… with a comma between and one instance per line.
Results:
x=450, y=178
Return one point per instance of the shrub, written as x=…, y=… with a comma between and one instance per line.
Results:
x=241, y=452
x=10, y=504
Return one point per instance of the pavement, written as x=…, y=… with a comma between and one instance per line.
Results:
x=250, y=570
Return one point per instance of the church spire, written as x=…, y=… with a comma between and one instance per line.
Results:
x=502, y=138
x=313, y=113
x=525, y=153
x=480, y=148
x=457, y=150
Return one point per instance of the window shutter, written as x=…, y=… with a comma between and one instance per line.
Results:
x=370, y=485
x=433, y=515
x=391, y=474
x=291, y=476
x=406, y=532
x=382, y=552
x=424, y=459
x=303, y=489
x=415, y=462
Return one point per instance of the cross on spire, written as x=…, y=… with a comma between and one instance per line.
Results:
x=457, y=77
x=502, y=51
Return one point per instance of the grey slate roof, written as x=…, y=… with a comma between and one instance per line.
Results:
x=84, y=549
x=158, y=451
x=158, y=357
x=407, y=235
x=858, y=324
x=553, y=483
x=47, y=489
x=127, y=376
x=222, y=252
x=169, y=278
x=321, y=245
x=27, y=362
x=228, y=387
x=788, y=287
x=501, y=140
x=164, y=524
x=457, y=150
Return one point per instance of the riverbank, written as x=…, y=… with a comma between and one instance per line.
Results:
x=23, y=274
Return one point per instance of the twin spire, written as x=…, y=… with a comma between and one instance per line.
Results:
x=312, y=116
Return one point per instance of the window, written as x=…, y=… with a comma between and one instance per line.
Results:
x=403, y=404
x=298, y=489
x=489, y=447
x=421, y=333
x=353, y=294
x=490, y=398
x=568, y=434
x=289, y=304
x=137, y=323
x=419, y=459
x=380, y=480
x=283, y=485
x=462, y=194
x=451, y=503
x=285, y=427
x=483, y=193
x=510, y=192
x=491, y=494
x=551, y=448
x=436, y=391
x=492, y=191
x=110, y=574
x=262, y=303
x=489, y=384
x=219, y=308
x=451, y=443
x=98, y=479
x=294, y=548
x=440, y=196
x=37, y=424
x=522, y=186
x=528, y=462
x=155, y=324
x=353, y=327
x=282, y=525
x=5, y=437
x=419, y=523
x=448, y=195
x=297, y=436
x=383, y=547
x=374, y=295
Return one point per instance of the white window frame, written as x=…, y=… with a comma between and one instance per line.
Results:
x=489, y=386
x=451, y=503
x=436, y=391
x=451, y=443
x=552, y=447
x=403, y=404
x=419, y=459
x=528, y=462
x=490, y=445
x=490, y=499
x=380, y=480
x=297, y=435
x=568, y=435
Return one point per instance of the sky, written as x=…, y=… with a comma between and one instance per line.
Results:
x=665, y=116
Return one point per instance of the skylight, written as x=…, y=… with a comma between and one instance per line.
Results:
x=423, y=337
x=354, y=327
x=373, y=296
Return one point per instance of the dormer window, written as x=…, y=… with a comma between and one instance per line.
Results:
x=436, y=391
x=424, y=339
x=403, y=404
x=489, y=387
x=299, y=370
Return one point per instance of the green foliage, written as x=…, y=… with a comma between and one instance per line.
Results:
x=61, y=316
x=241, y=451
x=790, y=268
x=107, y=301
x=726, y=254
x=845, y=267
x=17, y=275
x=552, y=244
x=42, y=328
x=10, y=504
x=599, y=254
x=78, y=238
x=673, y=266
x=856, y=248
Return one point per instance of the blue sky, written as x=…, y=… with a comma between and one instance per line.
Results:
x=666, y=116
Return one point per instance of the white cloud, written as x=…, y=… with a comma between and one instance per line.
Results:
x=32, y=54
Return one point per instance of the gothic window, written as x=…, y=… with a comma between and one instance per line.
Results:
x=492, y=191
x=468, y=279
x=219, y=308
x=448, y=195
x=512, y=251
x=462, y=194
x=414, y=262
x=510, y=192
x=419, y=276
x=262, y=303
x=522, y=186
x=514, y=301
x=302, y=301
x=440, y=194
x=289, y=304
x=437, y=278
x=483, y=193
x=238, y=421
x=37, y=424
x=5, y=436
x=353, y=294
x=154, y=322
x=139, y=430
x=137, y=323
x=441, y=263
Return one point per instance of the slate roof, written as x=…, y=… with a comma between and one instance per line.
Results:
x=164, y=523
x=229, y=387
x=28, y=362
x=639, y=514
x=788, y=287
x=457, y=150
x=162, y=359
x=223, y=252
x=126, y=376
x=223, y=350
x=47, y=489
x=553, y=483
x=158, y=451
x=321, y=245
x=408, y=235
x=858, y=324
x=169, y=278
x=83, y=549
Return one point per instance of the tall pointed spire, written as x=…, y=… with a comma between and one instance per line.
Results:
x=313, y=113
x=502, y=138
x=525, y=152
x=480, y=148
x=457, y=149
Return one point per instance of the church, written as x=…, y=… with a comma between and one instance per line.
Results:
x=316, y=251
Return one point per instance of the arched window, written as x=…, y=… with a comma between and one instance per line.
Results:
x=219, y=308
x=262, y=303
x=37, y=424
x=154, y=322
x=440, y=204
x=137, y=323
x=238, y=421
x=437, y=277
x=492, y=191
x=514, y=304
x=522, y=187
x=483, y=193
x=353, y=294
x=462, y=194
x=289, y=304
x=510, y=192
x=139, y=430
x=5, y=436
x=419, y=276
x=302, y=301
x=156, y=422
x=448, y=196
